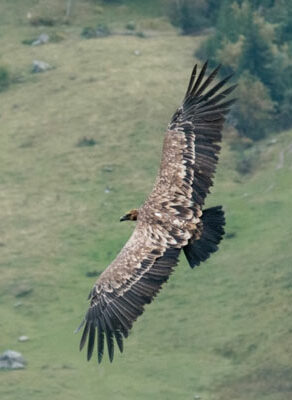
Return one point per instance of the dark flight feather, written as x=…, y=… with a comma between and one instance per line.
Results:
x=100, y=341
x=199, y=80
x=91, y=339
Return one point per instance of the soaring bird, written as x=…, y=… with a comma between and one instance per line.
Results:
x=171, y=219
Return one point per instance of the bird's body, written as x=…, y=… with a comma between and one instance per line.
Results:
x=171, y=219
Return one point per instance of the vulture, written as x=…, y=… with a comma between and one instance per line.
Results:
x=172, y=218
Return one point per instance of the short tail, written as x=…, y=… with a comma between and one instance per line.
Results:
x=212, y=231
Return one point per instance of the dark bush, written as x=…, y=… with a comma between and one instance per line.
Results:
x=140, y=34
x=28, y=42
x=102, y=30
x=189, y=15
x=131, y=26
x=86, y=141
x=42, y=21
x=88, y=32
x=246, y=163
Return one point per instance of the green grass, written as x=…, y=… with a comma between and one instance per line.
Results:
x=222, y=331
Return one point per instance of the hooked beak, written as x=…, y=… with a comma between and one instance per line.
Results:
x=125, y=218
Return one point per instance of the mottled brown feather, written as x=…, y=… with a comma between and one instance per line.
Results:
x=168, y=219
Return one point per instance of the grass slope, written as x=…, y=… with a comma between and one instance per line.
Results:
x=222, y=331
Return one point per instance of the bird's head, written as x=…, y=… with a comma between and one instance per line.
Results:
x=130, y=215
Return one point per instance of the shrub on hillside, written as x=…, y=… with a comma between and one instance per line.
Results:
x=246, y=161
x=131, y=25
x=28, y=42
x=102, y=30
x=5, y=78
x=86, y=141
x=141, y=34
x=88, y=32
x=189, y=15
x=42, y=21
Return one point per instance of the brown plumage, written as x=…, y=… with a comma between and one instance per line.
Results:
x=131, y=215
x=171, y=218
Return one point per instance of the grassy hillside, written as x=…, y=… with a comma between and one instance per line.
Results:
x=222, y=331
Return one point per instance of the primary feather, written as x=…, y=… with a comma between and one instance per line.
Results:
x=168, y=221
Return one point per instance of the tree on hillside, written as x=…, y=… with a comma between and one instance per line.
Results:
x=254, y=111
x=189, y=15
x=256, y=53
x=281, y=14
x=247, y=42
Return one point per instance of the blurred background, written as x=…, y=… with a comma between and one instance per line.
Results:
x=87, y=90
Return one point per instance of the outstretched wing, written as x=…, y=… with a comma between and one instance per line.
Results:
x=166, y=221
x=201, y=117
x=130, y=282
x=190, y=149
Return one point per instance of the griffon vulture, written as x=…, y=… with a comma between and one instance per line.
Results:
x=171, y=219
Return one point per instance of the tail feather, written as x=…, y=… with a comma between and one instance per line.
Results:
x=198, y=250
